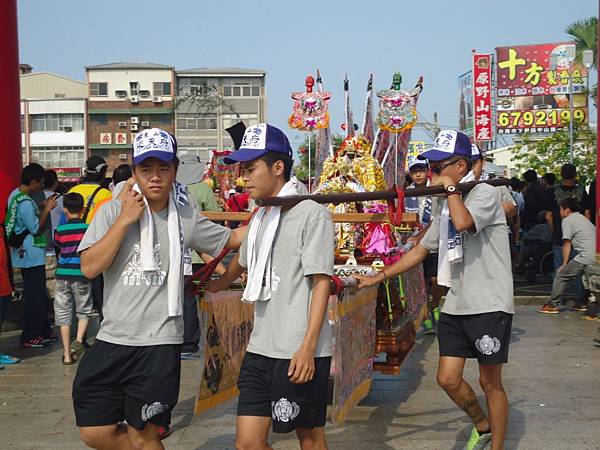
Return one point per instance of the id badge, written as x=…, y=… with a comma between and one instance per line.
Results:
x=187, y=262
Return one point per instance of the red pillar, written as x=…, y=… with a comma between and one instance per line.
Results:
x=10, y=112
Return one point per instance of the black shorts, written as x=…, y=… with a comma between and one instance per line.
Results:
x=121, y=382
x=266, y=391
x=483, y=336
x=430, y=266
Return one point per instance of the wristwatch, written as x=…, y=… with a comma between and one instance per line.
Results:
x=451, y=189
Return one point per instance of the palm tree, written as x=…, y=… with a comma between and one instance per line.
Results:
x=585, y=34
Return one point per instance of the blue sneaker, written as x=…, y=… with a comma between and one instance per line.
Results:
x=7, y=359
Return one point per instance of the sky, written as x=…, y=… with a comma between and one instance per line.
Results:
x=429, y=38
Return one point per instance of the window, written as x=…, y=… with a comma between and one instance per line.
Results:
x=196, y=121
x=230, y=120
x=99, y=119
x=57, y=122
x=196, y=86
x=161, y=88
x=99, y=89
x=55, y=157
x=241, y=87
x=134, y=88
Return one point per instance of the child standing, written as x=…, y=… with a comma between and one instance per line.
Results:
x=73, y=290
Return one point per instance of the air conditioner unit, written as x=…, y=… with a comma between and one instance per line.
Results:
x=135, y=119
x=157, y=99
x=122, y=124
x=134, y=99
x=144, y=93
x=145, y=123
x=121, y=94
x=68, y=129
x=133, y=127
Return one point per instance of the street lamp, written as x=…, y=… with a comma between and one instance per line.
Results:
x=554, y=63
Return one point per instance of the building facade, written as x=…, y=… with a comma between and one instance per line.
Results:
x=124, y=98
x=210, y=100
x=53, y=118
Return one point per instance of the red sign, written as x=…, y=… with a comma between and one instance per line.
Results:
x=482, y=97
x=533, y=95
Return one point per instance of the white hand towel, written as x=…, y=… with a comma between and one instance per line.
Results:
x=148, y=260
x=450, y=242
x=259, y=259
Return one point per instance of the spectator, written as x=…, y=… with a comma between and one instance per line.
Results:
x=534, y=197
x=579, y=235
x=28, y=253
x=121, y=173
x=548, y=180
x=517, y=187
x=52, y=187
x=567, y=189
x=592, y=201
x=73, y=290
x=94, y=196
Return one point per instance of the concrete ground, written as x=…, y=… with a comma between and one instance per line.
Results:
x=553, y=383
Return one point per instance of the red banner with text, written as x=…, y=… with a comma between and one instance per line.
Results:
x=482, y=97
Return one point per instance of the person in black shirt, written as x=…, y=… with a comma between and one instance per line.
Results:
x=534, y=196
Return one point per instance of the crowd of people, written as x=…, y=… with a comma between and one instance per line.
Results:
x=124, y=246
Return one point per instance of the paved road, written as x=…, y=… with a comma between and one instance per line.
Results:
x=553, y=382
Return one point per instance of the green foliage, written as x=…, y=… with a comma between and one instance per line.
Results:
x=550, y=153
x=301, y=170
x=585, y=34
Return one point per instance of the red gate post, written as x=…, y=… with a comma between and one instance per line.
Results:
x=10, y=112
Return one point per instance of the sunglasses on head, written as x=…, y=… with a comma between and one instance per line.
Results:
x=437, y=170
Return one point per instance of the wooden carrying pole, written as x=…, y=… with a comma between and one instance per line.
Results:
x=377, y=195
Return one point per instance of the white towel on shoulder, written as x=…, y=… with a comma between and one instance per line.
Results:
x=450, y=242
x=148, y=260
x=259, y=259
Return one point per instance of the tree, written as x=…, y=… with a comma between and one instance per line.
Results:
x=585, y=34
x=550, y=153
x=301, y=170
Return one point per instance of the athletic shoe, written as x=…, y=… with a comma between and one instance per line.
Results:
x=587, y=317
x=597, y=342
x=1, y=367
x=7, y=359
x=436, y=314
x=478, y=441
x=427, y=326
x=581, y=308
x=33, y=343
x=549, y=309
x=77, y=349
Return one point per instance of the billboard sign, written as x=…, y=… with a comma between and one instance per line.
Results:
x=465, y=105
x=482, y=97
x=533, y=94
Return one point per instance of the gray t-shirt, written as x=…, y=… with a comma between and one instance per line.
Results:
x=482, y=282
x=582, y=234
x=135, y=303
x=303, y=246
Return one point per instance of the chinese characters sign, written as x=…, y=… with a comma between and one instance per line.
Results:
x=106, y=138
x=482, y=97
x=121, y=138
x=533, y=94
